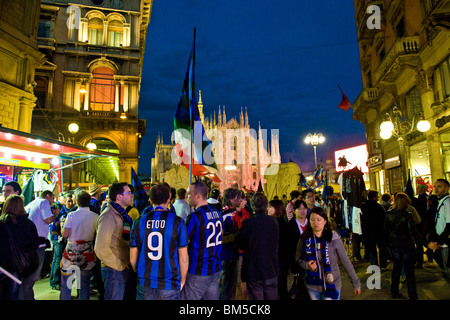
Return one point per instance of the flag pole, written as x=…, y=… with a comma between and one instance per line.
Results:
x=192, y=93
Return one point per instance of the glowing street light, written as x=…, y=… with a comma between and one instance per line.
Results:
x=314, y=140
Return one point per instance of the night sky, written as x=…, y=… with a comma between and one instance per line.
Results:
x=283, y=60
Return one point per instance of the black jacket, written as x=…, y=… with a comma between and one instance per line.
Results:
x=258, y=238
x=400, y=232
x=372, y=220
x=24, y=233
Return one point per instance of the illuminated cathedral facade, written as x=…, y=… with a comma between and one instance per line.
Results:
x=242, y=153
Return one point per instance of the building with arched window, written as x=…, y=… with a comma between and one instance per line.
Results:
x=94, y=53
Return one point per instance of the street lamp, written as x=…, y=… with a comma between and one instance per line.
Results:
x=314, y=140
x=400, y=127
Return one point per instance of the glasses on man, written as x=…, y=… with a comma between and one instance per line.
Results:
x=126, y=193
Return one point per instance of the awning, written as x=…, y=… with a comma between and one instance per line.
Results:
x=23, y=149
x=27, y=145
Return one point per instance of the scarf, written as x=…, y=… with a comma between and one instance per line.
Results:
x=127, y=221
x=322, y=276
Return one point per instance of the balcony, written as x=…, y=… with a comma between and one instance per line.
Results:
x=404, y=49
x=46, y=43
x=367, y=99
x=80, y=48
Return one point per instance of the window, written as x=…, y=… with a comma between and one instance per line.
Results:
x=95, y=31
x=414, y=102
x=102, y=91
x=442, y=81
x=400, y=29
x=45, y=29
x=115, y=33
x=40, y=91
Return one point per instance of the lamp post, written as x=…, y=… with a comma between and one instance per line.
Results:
x=314, y=140
x=399, y=127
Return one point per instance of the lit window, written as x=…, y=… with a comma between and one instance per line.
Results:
x=95, y=31
x=115, y=33
x=102, y=92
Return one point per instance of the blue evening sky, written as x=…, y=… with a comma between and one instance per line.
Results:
x=283, y=60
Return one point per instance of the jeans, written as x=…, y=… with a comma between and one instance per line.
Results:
x=26, y=289
x=144, y=293
x=372, y=242
x=229, y=279
x=263, y=289
x=115, y=283
x=67, y=282
x=444, y=253
x=55, y=271
x=9, y=289
x=319, y=295
x=201, y=287
x=406, y=259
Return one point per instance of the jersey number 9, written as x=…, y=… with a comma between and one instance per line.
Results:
x=155, y=252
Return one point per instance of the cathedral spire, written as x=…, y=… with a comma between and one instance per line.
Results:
x=219, y=118
x=246, y=118
x=224, y=116
x=241, y=118
x=200, y=107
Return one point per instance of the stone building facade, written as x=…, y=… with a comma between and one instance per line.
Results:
x=94, y=53
x=404, y=48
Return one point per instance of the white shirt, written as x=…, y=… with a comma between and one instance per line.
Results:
x=82, y=224
x=442, y=216
x=182, y=208
x=38, y=210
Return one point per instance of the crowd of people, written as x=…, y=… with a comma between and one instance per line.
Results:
x=197, y=243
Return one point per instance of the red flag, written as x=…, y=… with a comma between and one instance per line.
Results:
x=345, y=103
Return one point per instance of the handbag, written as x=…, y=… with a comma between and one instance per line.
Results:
x=298, y=289
x=24, y=262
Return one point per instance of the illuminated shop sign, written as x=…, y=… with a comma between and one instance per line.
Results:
x=23, y=163
x=347, y=159
x=10, y=162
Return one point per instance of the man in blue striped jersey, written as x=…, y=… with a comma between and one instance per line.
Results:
x=205, y=229
x=159, y=250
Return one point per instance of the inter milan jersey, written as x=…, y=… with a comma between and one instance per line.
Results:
x=158, y=235
x=204, y=229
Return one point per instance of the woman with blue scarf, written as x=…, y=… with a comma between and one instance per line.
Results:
x=318, y=251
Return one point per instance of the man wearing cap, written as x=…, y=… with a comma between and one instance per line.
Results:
x=95, y=191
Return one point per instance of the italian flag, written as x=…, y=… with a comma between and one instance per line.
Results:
x=189, y=132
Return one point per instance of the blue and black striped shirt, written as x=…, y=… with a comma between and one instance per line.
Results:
x=205, y=230
x=158, y=235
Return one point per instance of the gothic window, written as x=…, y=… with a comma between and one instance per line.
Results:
x=102, y=92
x=115, y=33
x=95, y=28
